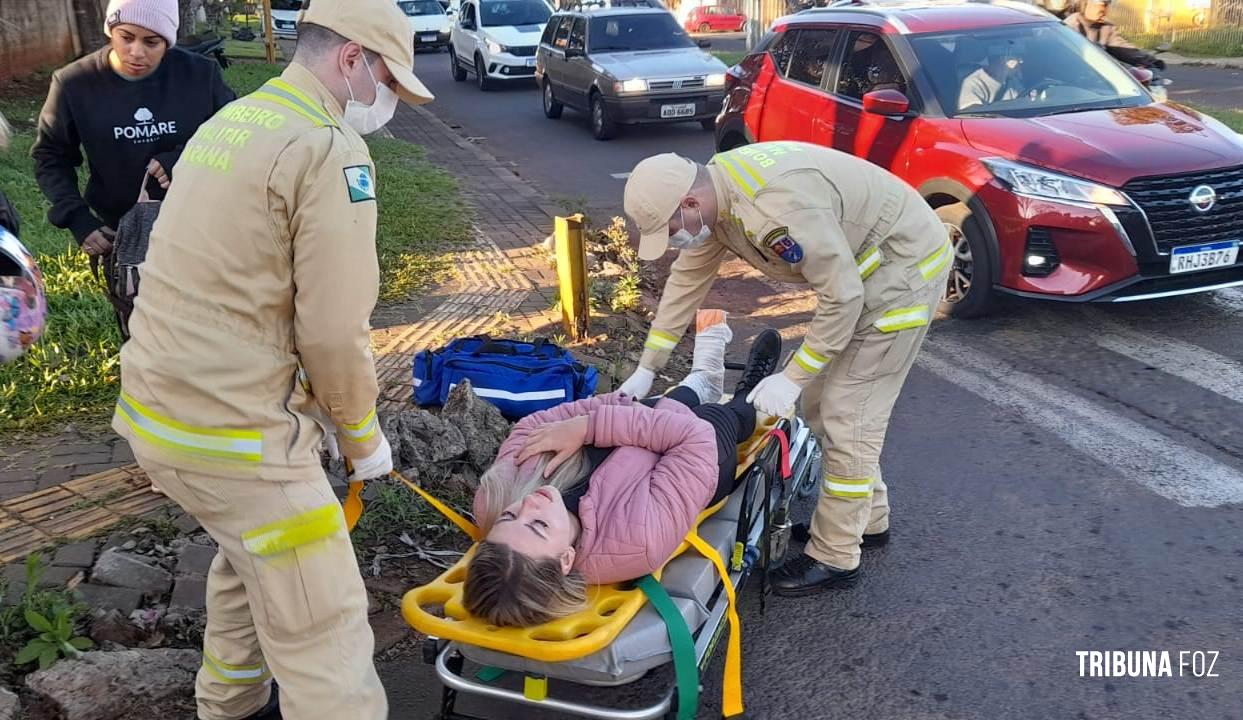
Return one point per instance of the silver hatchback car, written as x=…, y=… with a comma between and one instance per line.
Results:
x=627, y=65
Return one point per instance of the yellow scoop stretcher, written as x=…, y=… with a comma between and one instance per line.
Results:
x=436, y=609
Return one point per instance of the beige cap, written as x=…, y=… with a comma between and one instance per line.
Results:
x=654, y=191
x=381, y=27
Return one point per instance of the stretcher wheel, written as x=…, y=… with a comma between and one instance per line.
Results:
x=430, y=650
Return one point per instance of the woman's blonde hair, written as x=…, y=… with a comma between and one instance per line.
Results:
x=503, y=586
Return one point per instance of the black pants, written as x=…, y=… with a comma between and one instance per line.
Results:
x=733, y=422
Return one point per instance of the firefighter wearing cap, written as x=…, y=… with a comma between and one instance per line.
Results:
x=251, y=341
x=877, y=258
x=1091, y=23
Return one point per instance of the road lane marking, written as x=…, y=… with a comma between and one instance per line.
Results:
x=620, y=176
x=1168, y=468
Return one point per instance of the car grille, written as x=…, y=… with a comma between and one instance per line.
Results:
x=679, y=84
x=527, y=51
x=1167, y=203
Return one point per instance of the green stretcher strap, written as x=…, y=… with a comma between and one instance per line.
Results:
x=685, y=669
x=489, y=674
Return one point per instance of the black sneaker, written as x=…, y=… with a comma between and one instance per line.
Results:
x=762, y=362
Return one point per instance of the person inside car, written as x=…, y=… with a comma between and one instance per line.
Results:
x=999, y=80
x=1091, y=23
x=603, y=490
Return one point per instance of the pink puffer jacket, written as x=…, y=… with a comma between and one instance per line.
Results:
x=644, y=498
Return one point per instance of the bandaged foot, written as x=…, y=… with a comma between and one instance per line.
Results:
x=707, y=376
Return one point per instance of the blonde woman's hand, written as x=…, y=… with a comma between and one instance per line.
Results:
x=563, y=439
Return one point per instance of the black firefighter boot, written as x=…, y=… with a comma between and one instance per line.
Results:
x=761, y=362
x=804, y=575
x=271, y=711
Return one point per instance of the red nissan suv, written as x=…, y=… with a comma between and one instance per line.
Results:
x=1056, y=172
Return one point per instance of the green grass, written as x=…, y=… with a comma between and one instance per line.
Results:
x=1208, y=43
x=730, y=58
x=72, y=373
x=1232, y=118
x=252, y=50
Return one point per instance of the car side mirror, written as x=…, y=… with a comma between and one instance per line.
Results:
x=574, y=52
x=468, y=25
x=886, y=102
x=704, y=43
x=1143, y=75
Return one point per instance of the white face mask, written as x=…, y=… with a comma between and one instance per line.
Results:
x=366, y=119
x=683, y=240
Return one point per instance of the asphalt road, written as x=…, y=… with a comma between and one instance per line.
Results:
x=1063, y=479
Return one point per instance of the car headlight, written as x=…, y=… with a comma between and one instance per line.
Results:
x=1028, y=180
x=715, y=80
x=633, y=85
x=496, y=48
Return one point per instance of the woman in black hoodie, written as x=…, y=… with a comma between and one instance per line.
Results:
x=131, y=106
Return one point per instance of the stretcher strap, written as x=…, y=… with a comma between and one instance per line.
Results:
x=780, y=434
x=465, y=525
x=685, y=670
x=731, y=690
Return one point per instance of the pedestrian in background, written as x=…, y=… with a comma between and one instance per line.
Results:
x=127, y=111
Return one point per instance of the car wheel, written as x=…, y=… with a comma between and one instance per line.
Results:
x=708, y=124
x=969, y=291
x=552, y=108
x=705, y=27
x=459, y=72
x=481, y=74
x=602, y=126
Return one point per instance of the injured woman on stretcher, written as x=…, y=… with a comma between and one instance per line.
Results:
x=603, y=490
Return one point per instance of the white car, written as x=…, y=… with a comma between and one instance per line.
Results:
x=495, y=40
x=430, y=22
x=284, y=18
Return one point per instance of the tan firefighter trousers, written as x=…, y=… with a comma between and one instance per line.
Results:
x=848, y=407
x=284, y=599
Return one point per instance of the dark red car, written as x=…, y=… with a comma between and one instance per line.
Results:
x=714, y=18
x=1057, y=174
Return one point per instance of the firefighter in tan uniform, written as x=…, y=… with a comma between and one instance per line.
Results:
x=877, y=257
x=251, y=341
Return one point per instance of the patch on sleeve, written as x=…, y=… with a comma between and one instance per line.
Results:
x=780, y=242
x=361, y=186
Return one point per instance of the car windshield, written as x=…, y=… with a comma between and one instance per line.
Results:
x=514, y=12
x=1025, y=70
x=293, y=5
x=648, y=31
x=421, y=7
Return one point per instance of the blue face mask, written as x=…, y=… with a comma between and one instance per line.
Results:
x=683, y=240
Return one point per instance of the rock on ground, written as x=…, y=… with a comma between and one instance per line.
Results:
x=107, y=685
x=479, y=421
x=420, y=439
x=10, y=706
x=121, y=569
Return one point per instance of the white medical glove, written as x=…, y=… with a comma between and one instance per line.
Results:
x=330, y=444
x=639, y=384
x=376, y=465
x=775, y=395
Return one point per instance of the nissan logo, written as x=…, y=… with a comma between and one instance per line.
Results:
x=1203, y=198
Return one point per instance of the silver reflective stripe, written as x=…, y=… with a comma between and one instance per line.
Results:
x=936, y=262
x=235, y=674
x=363, y=430
x=517, y=396
x=228, y=444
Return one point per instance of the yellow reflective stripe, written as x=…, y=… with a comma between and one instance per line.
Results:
x=660, y=340
x=303, y=380
x=869, y=262
x=301, y=97
x=291, y=104
x=810, y=360
x=748, y=186
x=285, y=535
x=364, y=430
x=239, y=445
x=936, y=262
x=903, y=319
x=235, y=674
x=847, y=487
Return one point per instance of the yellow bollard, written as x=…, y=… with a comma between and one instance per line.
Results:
x=572, y=276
